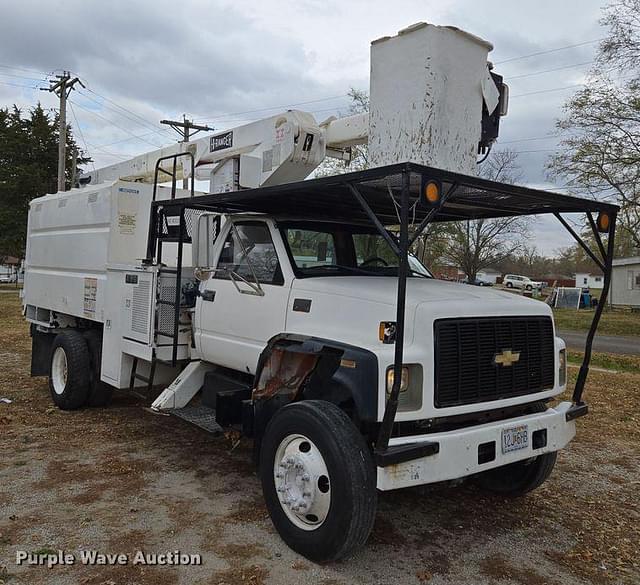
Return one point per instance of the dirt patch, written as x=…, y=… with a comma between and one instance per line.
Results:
x=121, y=479
x=497, y=568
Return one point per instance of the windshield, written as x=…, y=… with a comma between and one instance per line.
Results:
x=334, y=249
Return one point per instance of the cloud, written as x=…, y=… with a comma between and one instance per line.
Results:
x=219, y=61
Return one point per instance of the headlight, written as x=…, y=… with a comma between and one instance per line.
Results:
x=562, y=367
x=404, y=380
x=410, y=387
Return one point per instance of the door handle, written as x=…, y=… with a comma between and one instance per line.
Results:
x=209, y=295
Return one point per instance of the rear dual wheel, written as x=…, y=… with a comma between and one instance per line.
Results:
x=74, y=374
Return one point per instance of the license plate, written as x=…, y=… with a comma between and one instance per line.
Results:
x=515, y=438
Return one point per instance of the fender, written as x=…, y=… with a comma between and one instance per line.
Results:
x=297, y=367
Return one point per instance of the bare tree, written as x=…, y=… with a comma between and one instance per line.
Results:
x=601, y=127
x=359, y=153
x=476, y=244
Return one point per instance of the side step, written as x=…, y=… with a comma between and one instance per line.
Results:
x=200, y=416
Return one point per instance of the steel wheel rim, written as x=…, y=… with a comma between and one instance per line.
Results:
x=302, y=482
x=59, y=370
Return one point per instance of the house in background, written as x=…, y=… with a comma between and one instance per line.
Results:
x=489, y=275
x=625, y=282
x=11, y=269
x=586, y=279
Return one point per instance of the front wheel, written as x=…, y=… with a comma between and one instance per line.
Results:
x=521, y=477
x=509, y=285
x=517, y=479
x=318, y=480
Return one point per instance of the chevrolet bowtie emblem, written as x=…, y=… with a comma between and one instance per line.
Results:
x=506, y=358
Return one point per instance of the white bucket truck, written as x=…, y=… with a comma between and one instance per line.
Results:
x=292, y=311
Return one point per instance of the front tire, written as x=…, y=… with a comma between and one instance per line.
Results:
x=69, y=371
x=318, y=480
x=509, y=285
x=520, y=478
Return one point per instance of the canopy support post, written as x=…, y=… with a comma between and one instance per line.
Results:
x=391, y=408
x=607, y=268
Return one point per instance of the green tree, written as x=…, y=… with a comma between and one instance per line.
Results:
x=600, y=130
x=28, y=169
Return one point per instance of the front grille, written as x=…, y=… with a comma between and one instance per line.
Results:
x=465, y=352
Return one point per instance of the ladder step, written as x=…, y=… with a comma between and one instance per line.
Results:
x=141, y=378
x=164, y=334
x=200, y=416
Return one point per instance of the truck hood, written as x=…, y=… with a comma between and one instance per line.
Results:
x=419, y=290
x=349, y=308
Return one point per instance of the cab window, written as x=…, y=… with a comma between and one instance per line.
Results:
x=311, y=248
x=249, y=252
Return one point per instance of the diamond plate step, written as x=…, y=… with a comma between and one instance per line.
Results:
x=201, y=416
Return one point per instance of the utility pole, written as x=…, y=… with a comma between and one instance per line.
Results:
x=184, y=129
x=62, y=88
x=74, y=167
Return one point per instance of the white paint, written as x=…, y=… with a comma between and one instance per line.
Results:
x=586, y=279
x=458, y=454
x=426, y=90
x=180, y=392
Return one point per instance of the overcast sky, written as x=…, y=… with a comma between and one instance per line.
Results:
x=226, y=62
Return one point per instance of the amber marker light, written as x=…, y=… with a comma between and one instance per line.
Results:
x=603, y=222
x=431, y=192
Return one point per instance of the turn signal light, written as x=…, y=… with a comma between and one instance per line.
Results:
x=387, y=331
x=431, y=192
x=603, y=223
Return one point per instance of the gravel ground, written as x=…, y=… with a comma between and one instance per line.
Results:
x=123, y=479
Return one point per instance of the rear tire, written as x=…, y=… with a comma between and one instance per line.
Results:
x=69, y=371
x=100, y=394
x=324, y=470
x=517, y=479
x=509, y=285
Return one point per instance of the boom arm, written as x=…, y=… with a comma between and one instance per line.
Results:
x=280, y=149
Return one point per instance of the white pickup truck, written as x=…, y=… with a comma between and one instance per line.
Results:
x=292, y=314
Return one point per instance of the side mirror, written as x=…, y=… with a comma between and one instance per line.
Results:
x=204, y=233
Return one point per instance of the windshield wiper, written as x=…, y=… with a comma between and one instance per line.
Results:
x=343, y=267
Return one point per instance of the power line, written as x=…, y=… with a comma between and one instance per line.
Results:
x=550, y=70
x=547, y=90
x=326, y=99
x=528, y=139
x=127, y=139
x=144, y=123
x=510, y=60
x=114, y=124
x=132, y=113
x=26, y=70
x=19, y=85
x=73, y=112
x=23, y=77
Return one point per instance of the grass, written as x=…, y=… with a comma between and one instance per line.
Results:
x=608, y=361
x=611, y=322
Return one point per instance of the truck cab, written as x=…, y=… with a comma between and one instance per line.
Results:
x=337, y=282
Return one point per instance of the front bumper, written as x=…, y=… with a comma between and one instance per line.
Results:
x=458, y=454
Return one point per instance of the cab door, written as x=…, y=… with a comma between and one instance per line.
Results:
x=244, y=302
